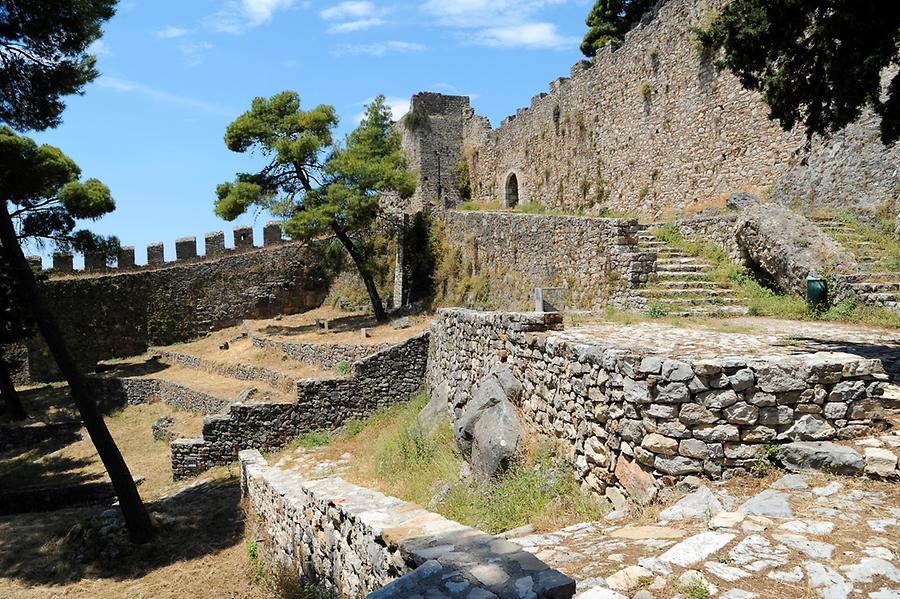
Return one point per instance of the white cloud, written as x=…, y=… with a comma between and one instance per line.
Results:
x=526, y=35
x=171, y=32
x=353, y=16
x=378, y=48
x=194, y=51
x=240, y=15
x=131, y=87
x=348, y=10
x=99, y=48
x=484, y=13
x=357, y=25
x=399, y=106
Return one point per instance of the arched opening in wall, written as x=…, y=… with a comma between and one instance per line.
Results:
x=511, y=197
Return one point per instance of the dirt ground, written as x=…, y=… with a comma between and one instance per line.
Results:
x=343, y=327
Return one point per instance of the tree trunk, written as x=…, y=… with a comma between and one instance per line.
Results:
x=362, y=267
x=137, y=521
x=14, y=408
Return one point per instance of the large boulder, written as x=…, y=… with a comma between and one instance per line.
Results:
x=488, y=432
x=434, y=412
x=823, y=455
x=498, y=435
x=788, y=246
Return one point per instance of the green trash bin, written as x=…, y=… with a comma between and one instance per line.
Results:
x=816, y=291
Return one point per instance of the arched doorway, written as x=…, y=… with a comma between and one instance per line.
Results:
x=512, y=191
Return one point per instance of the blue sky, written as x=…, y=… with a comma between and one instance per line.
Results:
x=175, y=73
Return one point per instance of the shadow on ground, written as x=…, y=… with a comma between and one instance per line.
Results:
x=888, y=353
x=56, y=548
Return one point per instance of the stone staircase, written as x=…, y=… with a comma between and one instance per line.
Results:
x=878, y=282
x=684, y=284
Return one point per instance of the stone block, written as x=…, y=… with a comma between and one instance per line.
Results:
x=214, y=243
x=272, y=233
x=125, y=258
x=185, y=248
x=660, y=445
x=156, y=253
x=94, y=262
x=35, y=263
x=63, y=262
x=243, y=237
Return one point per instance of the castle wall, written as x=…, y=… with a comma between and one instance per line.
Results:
x=122, y=312
x=596, y=259
x=653, y=126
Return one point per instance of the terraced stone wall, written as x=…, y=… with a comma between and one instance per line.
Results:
x=357, y=542
x=596, y=259
x=321, y=355
x=116, y=314
x=114, y=391
x=377, y=381
x=624, y=415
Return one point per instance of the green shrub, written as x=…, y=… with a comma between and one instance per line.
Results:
x=318, y=438
x=657, y=310
x=531, y=208
x=343, y=367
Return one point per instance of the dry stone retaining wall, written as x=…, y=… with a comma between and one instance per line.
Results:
x=322, y=355
x=597, y=259
x=354, y=541
x=243, y=372
x=380, y=380
x=614, y=408
x=114, y=391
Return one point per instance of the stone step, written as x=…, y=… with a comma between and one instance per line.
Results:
x=882, y=298
x=687, y=302
x=693, y=292
x=711, y=312
x=687, y=284
x=683, y=267
x=684, y=275
x=876, y=286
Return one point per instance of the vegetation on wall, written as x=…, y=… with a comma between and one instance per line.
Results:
x=610, y=20
x=460, y=174
x=816, y=63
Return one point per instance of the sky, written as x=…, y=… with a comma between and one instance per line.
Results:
x=174, y=73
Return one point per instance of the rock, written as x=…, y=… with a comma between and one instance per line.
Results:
x=717, y=398
x=692, y=413
x=791, y=482
x=508, y=382
x=756, y=553
x=780, y=415
x=246, y=395
x=823, y=455
x=639, y=484
x=738, y=200
x=162, y=428
x=677, y=465
x=809, y=427
x=769, y=503
x=809, y=527
x=692, y=579
x=738, y=594
x=600, y=593
x=486, y=394
x=699, y=504
x=661, y=445
x=870, y=567
x=224, y=346
x=616, y=498
x=881, y=462
x=718, y=433
x=496, y=440
x=813, y=549
x=726, y=573
x=434, y=412
x=742, y=380
x=636, y=391
x=643, y=594
x=828, y=583
x=627, y=578
x=794, y=575
x=677, y=371
x=828, y=490
x=741, y=413
x=695, y=549
x=688, y=484
x=401, y=323
x=726, y=520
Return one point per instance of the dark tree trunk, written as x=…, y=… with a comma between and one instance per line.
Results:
x=362, y=267
x=14, y=408
x=140, y=528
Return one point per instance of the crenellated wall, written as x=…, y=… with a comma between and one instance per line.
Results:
x=119, y=313
x=652, y=126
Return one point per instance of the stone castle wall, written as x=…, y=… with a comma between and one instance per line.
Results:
x=623, y=414
x=652, y=126
x=596, y=259
x=122, y=313
x=358, y=542
x=374, y=382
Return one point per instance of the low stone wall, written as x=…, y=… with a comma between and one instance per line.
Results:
x=380, y=380
x=29, y=435
x=720, y=230
x=243, y=372
x=354, y=541
x=322, y=355
x=114, y=391
x=597, y=260
x=623, y=414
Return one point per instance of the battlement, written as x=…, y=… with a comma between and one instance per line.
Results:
x=186, y=251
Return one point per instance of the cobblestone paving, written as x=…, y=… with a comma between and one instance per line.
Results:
x=761, y=337
x=803, y=535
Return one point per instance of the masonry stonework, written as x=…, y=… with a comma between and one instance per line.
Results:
x=623, y=413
